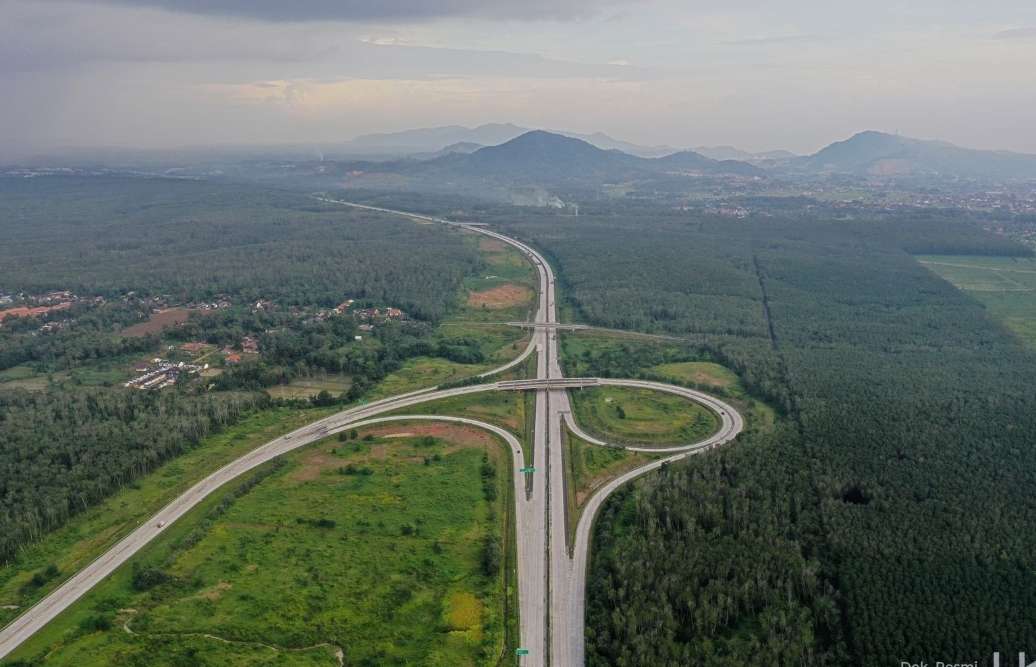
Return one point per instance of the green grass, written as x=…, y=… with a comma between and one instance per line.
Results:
x=422, y=372
x=305, y=387
x=1006, y=286
x=623, y=415
x=393, y=576
x=588, y=468
x=511, y=410
x=503, y=265
x=700, y=373
x=88, y=534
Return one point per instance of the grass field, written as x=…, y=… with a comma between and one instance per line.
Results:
x=506, y=288
x=374, y=549
x=512, y=410
x=627, y=416
x=499, y=344
x=305, y=387
x=702, y=373
x=588, y=467
x=1006, y=286
x=103, y=372
x=89, y=533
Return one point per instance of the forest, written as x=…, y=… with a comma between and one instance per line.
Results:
x=64, y=450
x=130, y=240
x=887, y=518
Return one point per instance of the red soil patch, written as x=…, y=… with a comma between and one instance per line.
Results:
x=503, y=296
x=25, y=311
x=164, y=318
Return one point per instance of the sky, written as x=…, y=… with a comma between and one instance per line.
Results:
x=760, y=75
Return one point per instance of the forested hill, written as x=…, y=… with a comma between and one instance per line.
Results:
x=888, y=518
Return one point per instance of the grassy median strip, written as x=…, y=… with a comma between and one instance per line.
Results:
x=589, y=467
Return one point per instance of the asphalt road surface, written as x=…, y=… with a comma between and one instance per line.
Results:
x=551, y=572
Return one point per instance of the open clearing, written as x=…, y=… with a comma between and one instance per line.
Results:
x=626, y=416
x=369, y=547
x=501, y=297
x=335, y=383
x=161, y=320
x=1006, y=286
x=703, y=373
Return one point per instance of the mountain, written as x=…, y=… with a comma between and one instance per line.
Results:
x=879, y=154
x=602, y=140
x=431, y=139
x=544, y=158
x=419, y=142
x=732, y=153
x=463, y=147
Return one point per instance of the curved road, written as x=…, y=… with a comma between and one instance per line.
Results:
x=551, y=581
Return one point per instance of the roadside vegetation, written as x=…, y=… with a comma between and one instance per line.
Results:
x=390, y=547
x=633, y=416
x=588, y=468
x=40, y=567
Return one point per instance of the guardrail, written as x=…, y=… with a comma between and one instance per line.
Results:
x=559, y=383
x=548, y=325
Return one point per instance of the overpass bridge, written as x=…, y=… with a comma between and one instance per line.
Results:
x=553, y=383
x=548, y=325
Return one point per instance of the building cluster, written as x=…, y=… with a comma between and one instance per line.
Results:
x=379, y=315
x=218, y=303
x=25, y=305
x=249, y=346
x=160, y=373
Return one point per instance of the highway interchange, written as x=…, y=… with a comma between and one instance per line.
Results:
x=551, y=572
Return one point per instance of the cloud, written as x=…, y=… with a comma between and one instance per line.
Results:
x=377, y=10
x=772, y=41
x=1016, y=33
x=224, y=50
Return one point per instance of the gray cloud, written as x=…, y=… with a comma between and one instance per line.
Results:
x=1016, y=33
x=376, y=10
x=771, y=41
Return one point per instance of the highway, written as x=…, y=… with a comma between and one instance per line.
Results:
x=551, y=572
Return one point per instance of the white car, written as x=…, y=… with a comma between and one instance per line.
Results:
x=160, y=524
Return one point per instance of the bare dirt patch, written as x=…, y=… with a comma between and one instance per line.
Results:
x=504, y=296
x=169, y=317
x=454, y=433
x=491, y=245
x=216, y=592
x=311, y=466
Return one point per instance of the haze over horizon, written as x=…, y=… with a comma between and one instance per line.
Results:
x=164, y=73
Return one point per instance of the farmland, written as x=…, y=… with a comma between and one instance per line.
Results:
x=1006, y=286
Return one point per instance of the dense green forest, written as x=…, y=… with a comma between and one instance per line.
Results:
x=888, y=518
x=132, y=239
x=64, y=450
x=196, y=241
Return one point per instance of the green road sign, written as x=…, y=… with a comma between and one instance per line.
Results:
x=528, y=470
x=522, y=651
